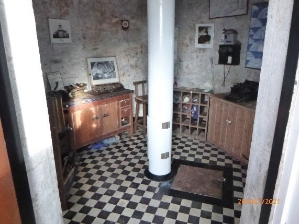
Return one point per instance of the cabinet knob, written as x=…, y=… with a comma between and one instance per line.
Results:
x=106, y=115
x=228, y=121
x=95, y=118
x=68, y=128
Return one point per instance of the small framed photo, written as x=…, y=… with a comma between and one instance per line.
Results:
x=60, y=31
x=55, y=81
x=102, y=70
x=204, y=35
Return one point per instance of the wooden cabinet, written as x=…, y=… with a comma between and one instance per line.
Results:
x=66, y=160
x=230, y=126
x=190, y=112
x=99, y=119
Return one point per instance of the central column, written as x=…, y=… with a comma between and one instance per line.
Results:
x=160, y=87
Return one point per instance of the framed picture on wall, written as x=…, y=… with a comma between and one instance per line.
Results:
x=204, y=35
x=102, y=70
x=55, y=81
x=256, y=35
x=60, y=31
x=220, y=8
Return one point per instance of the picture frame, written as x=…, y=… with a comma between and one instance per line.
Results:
x=55, y=81
x=60, y=31
x=102, y=70
x=256, y=35
x=220, y=8
x=204, y=35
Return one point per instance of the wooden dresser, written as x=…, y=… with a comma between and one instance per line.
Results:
x=230, y=126
x=94, y=117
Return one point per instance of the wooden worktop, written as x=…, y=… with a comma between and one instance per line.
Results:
x=248, y=105
x=92, y=96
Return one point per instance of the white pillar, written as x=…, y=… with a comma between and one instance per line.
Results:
x=160, y=82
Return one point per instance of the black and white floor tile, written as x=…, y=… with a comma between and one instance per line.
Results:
x=110, y=186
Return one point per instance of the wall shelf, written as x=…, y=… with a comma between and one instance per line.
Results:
x=190, y=112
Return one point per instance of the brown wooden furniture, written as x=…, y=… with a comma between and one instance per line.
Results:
x=190, y=112
x=141, y=98
x=230, y=126
x=99, y=118
x=66, y=161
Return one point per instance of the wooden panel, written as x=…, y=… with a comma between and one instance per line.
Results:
x=230, y=127
x=230, y=130
x=85, y=126
x=218, y=122
x=9, y=210
x=109, y=114
x=239, y=130
x=125, y=102
x=223, y=128
x=248, y=128
x=126, y=111
x=211, y=123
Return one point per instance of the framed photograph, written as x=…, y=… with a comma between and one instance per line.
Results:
x=204, y=35
x=60, y=31
x=256, y=35
x=55, y=81
x=102, y=70
x=220, y=8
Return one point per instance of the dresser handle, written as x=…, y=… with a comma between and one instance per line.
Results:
x=228, y=121
x=106, y=115
x=95, y=118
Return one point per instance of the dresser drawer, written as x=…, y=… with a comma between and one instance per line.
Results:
x=125, y=102
x=125, y=111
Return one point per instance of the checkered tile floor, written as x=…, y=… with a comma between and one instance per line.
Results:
x=110, y=186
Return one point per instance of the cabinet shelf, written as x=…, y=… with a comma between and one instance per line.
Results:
x=190, y=112
x=203, y=114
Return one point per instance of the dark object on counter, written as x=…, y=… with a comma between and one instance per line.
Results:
x=108, y=88
x=64, y=95
x=243, y=92
x=76, y=89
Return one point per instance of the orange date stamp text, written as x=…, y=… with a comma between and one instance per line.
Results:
x=258, y=201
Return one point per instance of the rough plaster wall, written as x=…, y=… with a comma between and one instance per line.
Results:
x=97, y=32
x=276, y=41
x=24, y=66
x=193, y=67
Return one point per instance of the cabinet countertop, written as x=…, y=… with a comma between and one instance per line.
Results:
x=249, y=105
x=92, y=96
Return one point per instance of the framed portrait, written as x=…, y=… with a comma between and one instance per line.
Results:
x=256, y=35
x=60, y=31
x=102, y=70
x=220, y=8
x=204, y=35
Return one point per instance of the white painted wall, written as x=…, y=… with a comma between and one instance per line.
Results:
x=21, y=48
x=274, y=59
x=288, y=178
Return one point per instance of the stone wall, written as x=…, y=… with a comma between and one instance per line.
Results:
x=96, y=32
